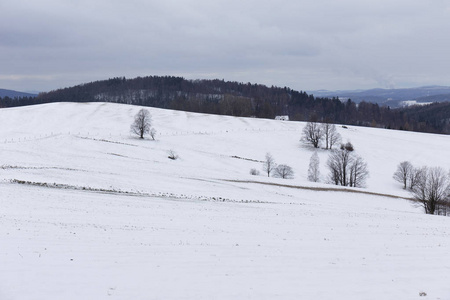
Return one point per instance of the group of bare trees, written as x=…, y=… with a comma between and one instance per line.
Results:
x=409, y=175
x=428, y=185
x=346, y=167
x=315, y=133
x=270, y=167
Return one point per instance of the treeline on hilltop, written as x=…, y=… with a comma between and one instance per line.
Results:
x=244, y=100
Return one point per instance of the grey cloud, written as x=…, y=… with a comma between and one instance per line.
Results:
x=304, y=44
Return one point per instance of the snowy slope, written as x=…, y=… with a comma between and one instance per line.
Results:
x=104, y=214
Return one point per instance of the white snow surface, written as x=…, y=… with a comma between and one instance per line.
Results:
x=413, y=102
x=106, y=215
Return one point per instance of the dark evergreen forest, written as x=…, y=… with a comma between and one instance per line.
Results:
x=245, y=100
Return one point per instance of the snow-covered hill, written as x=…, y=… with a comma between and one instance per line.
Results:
x=88, y=211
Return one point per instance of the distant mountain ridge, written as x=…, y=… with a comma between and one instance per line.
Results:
x=391, y=97
x=15, y=94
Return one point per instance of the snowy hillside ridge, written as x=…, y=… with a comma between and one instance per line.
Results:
x=413, y=102
x=252, y=100
x=109, y=123
x=90, y=211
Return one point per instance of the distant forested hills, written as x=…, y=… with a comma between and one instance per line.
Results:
x=14, y=94
x=392, y=97
x=245, y=100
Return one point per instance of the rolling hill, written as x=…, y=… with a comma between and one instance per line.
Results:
x=246, y=100
x=89, y=211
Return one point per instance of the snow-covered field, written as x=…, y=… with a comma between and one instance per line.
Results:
x=88, y=211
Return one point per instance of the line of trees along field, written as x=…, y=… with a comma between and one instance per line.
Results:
x=245, y=100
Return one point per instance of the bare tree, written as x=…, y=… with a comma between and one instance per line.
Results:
x=403, y=173
x=347, y=168
x=338, y=164
x=142, y=123
x=415, y=176
x=334, y=137
x=284, y=171
x=330, y=135
x=312, y=134
x=433, y=190
x=358, y=172
x=269, y=164
x=313, y=169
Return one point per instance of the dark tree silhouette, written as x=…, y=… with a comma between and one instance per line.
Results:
x=142, y=123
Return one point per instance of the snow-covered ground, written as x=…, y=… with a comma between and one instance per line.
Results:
x=413, y=102
x=88, y=211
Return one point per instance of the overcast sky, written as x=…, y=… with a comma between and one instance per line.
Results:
x=305, y=45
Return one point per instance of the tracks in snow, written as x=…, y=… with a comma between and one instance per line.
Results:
x=319, y=189
x=127, y=193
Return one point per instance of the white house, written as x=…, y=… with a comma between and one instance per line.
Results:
x=282, y=118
